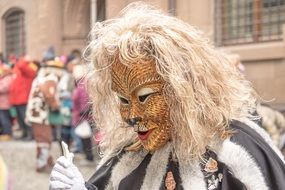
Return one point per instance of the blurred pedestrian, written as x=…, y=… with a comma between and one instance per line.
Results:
x=77, y=146
x=273, y=122
x=43, y=100
x=49, y=55
x=65, y=89
x=24, y=74
x=5, y=118
x=81, y=113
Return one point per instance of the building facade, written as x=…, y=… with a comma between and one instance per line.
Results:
x=29, y=27
x=253, y=29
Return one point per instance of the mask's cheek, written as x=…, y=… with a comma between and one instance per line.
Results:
x=158, y=137
x=156, y=109
x=124, y=112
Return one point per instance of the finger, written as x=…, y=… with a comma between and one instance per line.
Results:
x=70, y=157
x=57, y=185
x=57, y=176
x=65, y=171
x=64, y=148
x=64, y=162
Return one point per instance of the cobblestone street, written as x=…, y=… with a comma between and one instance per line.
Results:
x=20, y=159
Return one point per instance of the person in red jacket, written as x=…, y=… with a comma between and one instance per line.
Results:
x=5, y=118
x=24, y=74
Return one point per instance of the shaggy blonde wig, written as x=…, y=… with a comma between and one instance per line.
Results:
x=205, y=91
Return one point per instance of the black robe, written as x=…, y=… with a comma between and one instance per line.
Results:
x=223, y=177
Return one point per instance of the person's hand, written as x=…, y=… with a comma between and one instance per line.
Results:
x=65, y=175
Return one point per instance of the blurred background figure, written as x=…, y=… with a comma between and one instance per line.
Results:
x=72, y=62
x=273, y=122
x=24, y=71
x=81, y=113
x=44, y=100
x=6, y=78
x=270, y=119
x=48, y=55
x=65, y=89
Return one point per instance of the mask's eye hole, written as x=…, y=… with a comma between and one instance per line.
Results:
x=143, y=98
x=144, y=93
x=123, y=100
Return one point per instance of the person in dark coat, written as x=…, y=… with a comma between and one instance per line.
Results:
x=175, y=113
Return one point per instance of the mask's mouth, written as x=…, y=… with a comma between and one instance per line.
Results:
x=143, y=135
x=142, y=130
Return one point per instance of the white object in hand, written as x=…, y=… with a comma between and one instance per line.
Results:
x=65, y=175
x=69, y=156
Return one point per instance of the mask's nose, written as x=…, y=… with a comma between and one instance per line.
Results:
x=133, y=121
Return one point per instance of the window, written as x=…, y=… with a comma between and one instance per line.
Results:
x=247, y=21
x=172, y=7
x=101, y=10
x=14, y=33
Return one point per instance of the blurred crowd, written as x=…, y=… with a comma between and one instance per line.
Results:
x=46, y=101
x=273, y=121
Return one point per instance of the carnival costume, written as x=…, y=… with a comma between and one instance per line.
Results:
x=44, y=97
x=174, y=112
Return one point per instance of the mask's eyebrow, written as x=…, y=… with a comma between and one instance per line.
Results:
x=145, y=91
x=145, y=80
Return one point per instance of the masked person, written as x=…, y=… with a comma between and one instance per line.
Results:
x=174, y=112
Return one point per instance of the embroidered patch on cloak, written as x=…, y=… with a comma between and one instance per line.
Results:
x=170, y=183
x=212, y=173
x=211, y=165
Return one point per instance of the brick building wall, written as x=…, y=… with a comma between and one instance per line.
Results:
x=65, y=25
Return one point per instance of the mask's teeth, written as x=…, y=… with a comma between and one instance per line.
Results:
x=136, y=128
x=143, y=128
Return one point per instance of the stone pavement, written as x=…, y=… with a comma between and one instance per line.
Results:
x=20, y=158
